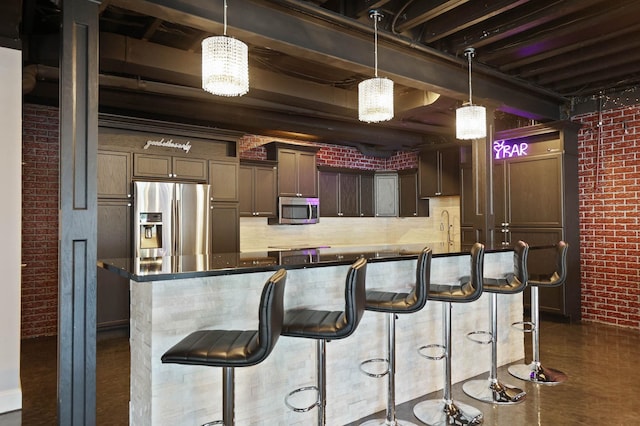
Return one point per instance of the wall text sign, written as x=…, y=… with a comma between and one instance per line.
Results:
x=169, y=143
x=504, y=149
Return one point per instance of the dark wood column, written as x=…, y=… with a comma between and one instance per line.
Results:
x=483, y=184
x=78, y=213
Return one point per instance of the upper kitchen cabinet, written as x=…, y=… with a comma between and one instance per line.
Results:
x=386, y=190
x=439, y=172
x=114, y=174
x=223, y=178
x=297, y=175
x=257, y=193
x=345, y=192
x=410, y=204
x=169, y=167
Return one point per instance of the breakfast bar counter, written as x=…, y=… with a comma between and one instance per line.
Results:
x=174, y=296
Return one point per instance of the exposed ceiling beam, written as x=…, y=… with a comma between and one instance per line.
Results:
x=466, y=16
x=319, y=38
x=420, y=12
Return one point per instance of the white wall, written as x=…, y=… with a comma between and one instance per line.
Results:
x=10, y=226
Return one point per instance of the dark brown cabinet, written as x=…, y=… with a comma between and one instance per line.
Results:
x=114, y=174
x=162, y=166
x=297, y=175
x=346, y=193
x=410, y=204
x=535, y=193
x=114, y=241
x=439, y=172
x=258, y=182
x=225, y=228
x=223, y=178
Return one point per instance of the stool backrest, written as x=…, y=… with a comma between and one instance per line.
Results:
x=520, y=254
x=355, y=294
x=560, y=276
x=271, y=312
x=477, y=271
x=420, y=292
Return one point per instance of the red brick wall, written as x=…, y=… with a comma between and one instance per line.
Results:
x=250, y=147
x=609, y=174
x=40, y=155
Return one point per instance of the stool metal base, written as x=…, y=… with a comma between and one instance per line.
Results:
x=493, y=392
x=383, y=422
x=536, y=373
x=438, y=412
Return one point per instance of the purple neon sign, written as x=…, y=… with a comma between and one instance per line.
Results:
x=504, y=149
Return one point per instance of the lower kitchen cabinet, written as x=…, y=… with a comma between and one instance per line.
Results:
x=225, y=228
x=114, y=241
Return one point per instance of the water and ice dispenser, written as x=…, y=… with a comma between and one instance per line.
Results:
x=150, y=230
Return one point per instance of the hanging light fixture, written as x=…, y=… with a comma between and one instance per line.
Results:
x=225, y=64
x=471, y=120
x=375, y=95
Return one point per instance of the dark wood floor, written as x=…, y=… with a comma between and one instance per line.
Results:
x=601, y=361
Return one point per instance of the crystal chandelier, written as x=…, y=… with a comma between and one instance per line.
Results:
x=225, y=64
x=471, y=120
x=375, y=95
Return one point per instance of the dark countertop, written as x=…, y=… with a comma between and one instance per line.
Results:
x=180, y=267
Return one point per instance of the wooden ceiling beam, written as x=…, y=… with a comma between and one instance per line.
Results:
x=420, y=12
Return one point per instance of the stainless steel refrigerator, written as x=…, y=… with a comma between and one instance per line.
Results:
x=171, y=219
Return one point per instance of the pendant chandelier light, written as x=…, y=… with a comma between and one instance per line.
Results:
x=375, y=95
x=225, y=64
x=471, y=120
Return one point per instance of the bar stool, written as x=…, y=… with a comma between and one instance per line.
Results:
x=324, y=326
x=392, y=303
x=235, y=348
x=535, y=372
x=492, y=390
x=447, y=411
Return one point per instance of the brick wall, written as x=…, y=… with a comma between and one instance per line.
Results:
x=609, y=175
x=40, y=157
x=250, y=147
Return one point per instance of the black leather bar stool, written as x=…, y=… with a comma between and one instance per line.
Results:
x=235, y=348
x=324, y=326
x=392, y=303
x=446, y=411
x=535, y=372
x=492, y=390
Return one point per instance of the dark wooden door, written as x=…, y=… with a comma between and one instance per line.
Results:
x=264, y=195
x=307, y=174
x=329, y=193
x=429, y=185
x=349, y=189
x=287, y=173
x=450, y=171
x=367, y=196
x=225, y=228
x=223, y=178
x=246, y=190
x=114, y=174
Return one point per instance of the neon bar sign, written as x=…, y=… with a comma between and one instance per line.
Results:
x=503, y=149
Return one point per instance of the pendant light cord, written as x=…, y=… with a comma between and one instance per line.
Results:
x=225, y=17
x=469, y=52
x=376, y=16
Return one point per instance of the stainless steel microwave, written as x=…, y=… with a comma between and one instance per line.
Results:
x=298, y=210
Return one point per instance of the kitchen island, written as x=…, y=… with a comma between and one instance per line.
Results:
x=173, y=296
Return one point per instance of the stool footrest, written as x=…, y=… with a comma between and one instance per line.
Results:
x=375, y=360
x=472, y=336
x=524, y=326
x=303, y=389
x=217, y=422
x=421, y=350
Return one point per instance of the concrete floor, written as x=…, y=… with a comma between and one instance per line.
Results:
x=601, y=362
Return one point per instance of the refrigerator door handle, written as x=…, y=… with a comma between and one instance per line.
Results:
x=177, y=208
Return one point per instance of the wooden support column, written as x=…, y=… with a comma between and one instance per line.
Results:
x=483, y=184
x=78, y=213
